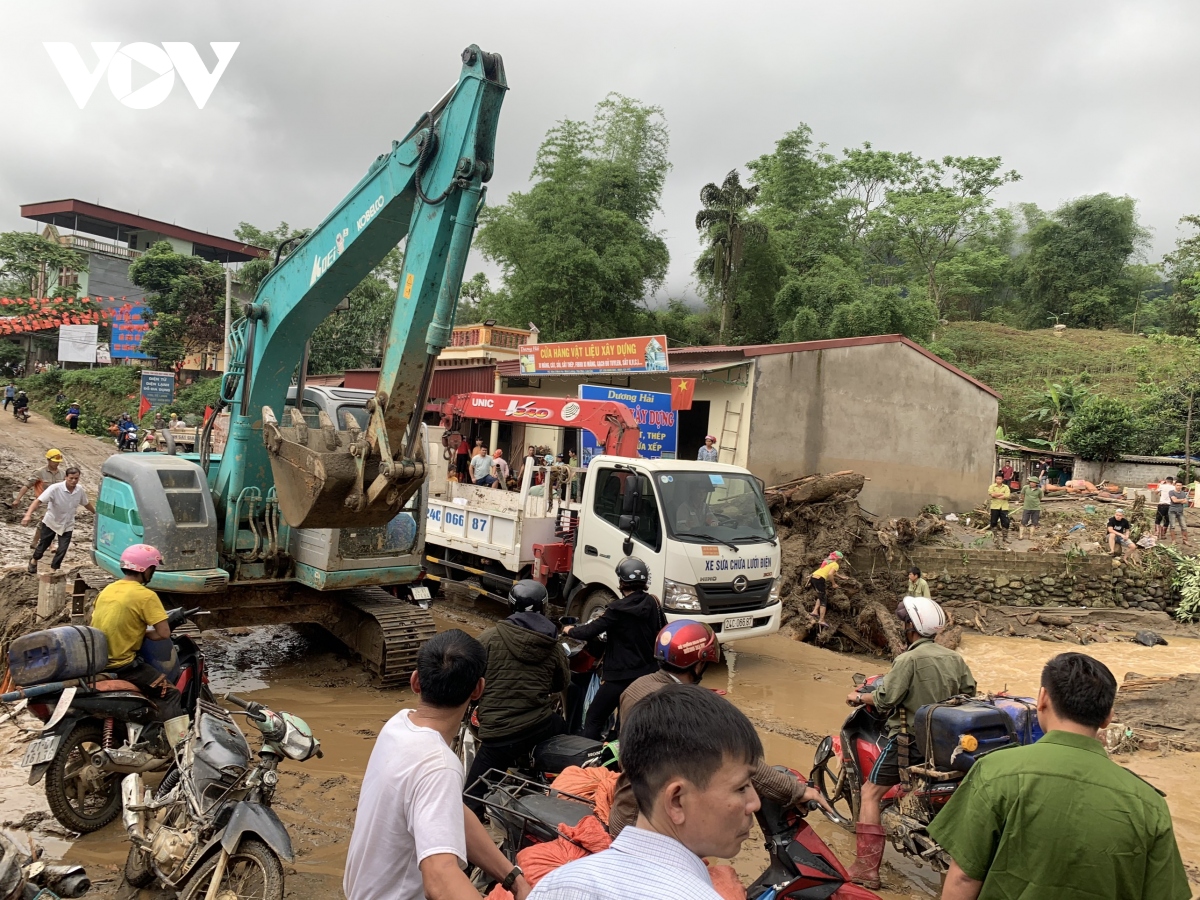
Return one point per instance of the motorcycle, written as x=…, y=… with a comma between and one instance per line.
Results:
x=21, y=413
x=800, y=866
x=127, y=440
x=99, y=729
x=23, y=876
x=209, y=830
x=843, y=761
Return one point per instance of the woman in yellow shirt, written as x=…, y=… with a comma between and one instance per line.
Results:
x=998, y=495
x=820, y=582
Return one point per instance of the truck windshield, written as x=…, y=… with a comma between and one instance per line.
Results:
x=710, y=507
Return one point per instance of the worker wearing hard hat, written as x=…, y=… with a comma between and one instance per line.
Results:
x=52, y=473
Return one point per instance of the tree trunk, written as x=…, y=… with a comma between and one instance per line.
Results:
x=1187, y=441
x=724, y=312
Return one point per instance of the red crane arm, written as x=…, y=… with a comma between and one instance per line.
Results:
x=612, y=423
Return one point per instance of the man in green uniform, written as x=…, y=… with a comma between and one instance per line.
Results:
x=925, y=673
x=1058, y=818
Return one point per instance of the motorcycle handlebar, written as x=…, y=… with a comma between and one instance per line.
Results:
x=252, y=708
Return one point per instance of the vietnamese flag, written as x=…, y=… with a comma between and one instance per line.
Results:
x=143, y=408
x=208, y=411
x=682, y=390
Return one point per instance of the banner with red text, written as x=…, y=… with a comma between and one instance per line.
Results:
x=634, y=354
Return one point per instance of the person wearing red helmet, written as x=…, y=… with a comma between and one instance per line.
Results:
x=124, y=611
x=684, y=649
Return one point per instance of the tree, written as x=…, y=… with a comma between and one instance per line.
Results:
x=939, y=212
x=1101, y=430
x=1058, y=405
x=576, y=251
x=32, y=266
x=725, y=223
x=1078, y=261
x=186, y=295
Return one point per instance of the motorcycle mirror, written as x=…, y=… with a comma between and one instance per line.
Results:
x=859, y=678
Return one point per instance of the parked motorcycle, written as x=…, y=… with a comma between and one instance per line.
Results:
x=949, y=738
x=209, y=830
x=98, y=729
x=800, y=866
x=23, y=876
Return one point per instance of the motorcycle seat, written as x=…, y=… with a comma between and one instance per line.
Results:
x=116, y=684
x=553, y=811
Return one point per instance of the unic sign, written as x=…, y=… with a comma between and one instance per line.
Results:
x=118, y=59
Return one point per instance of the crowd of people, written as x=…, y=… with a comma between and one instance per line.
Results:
x=1053, y=818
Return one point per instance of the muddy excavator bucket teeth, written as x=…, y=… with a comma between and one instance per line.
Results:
x=317, y=479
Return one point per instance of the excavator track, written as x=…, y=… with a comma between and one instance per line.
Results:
x=387, y=633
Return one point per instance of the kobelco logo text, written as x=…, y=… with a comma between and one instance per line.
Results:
x=370, y=213
x=163, y=60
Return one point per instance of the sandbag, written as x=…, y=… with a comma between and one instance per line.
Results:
x=578, y=841
x=596, y=784
x=726, y=882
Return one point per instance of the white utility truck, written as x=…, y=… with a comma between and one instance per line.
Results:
x=702, y=528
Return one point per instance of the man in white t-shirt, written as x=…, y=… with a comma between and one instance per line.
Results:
x=1162, y=519
x=412, y=834
x=62, y=503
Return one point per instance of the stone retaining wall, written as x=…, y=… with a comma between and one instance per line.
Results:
x=1022, y=579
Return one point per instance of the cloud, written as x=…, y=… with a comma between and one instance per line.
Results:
x=1079, y=97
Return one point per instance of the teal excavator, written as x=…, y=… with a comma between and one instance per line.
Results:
x=297, y=520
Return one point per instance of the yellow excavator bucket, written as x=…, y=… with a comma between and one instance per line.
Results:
x=326, y=478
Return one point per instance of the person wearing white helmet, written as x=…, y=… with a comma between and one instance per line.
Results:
x=127, y=611
x=925, y=673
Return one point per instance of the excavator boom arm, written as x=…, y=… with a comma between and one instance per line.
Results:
x=428, y=189
x=612, y=423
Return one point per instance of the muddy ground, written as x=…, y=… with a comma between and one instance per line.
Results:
x=793, y=692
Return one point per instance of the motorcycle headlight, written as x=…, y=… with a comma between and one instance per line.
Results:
x=680, y=596
x=776, y=587
x=297, y=742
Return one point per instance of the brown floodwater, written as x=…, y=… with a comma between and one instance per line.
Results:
x=793, y=692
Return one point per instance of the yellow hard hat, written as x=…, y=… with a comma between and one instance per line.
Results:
x=54, y=455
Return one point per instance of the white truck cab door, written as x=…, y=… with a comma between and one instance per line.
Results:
x=598, y=544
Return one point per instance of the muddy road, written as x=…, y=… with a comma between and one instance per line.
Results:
x=793, y=692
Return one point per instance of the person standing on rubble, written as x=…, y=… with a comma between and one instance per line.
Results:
x=998, y=496
x=820, y=583
x=62, y=502
x=925, y=673
x=1059, y=818
x=918, y=586
x=1031, y=507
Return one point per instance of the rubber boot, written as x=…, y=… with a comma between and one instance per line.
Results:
x=1021, y=532
x=176, y=729
x=868, y=856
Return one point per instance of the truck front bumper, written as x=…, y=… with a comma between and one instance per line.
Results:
x=762, y=622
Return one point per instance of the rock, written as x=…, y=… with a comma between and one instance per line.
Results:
x=1001, y=581
x=1149, y=744
x=1048, y=581
x=1016, y=585
x=1149, y=638
x=1151, y=606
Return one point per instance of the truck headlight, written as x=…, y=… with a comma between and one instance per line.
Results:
x=776, y=587
x=680, y=596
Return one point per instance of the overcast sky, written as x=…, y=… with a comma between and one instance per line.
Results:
x=1079, y=97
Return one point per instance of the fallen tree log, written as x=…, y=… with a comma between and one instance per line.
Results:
x=824, y=487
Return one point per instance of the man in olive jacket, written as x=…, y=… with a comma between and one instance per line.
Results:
x=527, y=673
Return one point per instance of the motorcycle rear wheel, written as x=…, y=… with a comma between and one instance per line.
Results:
x=833, y=781
x=139, y=870
x=81, y=800
x=253, y=872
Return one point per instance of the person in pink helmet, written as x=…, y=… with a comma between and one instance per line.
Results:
x=124, y=611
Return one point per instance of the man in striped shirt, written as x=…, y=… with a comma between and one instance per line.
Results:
x=689, y=756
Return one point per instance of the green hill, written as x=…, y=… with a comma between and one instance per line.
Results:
x=1017, y=364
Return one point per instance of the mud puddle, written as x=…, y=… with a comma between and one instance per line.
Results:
x=793, y=692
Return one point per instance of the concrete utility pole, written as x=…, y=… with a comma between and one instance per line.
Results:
x=228, y=306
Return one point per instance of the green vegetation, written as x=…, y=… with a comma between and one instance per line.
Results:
x=103, y=394
x=187, y=297
x=34, y=266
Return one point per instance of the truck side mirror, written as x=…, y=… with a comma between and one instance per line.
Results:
x=632, y=499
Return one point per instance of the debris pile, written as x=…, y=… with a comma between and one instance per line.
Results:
x=816, y=515
x=1160, y=709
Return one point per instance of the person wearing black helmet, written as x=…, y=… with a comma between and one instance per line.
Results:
x=527, y=672
x=631, y=625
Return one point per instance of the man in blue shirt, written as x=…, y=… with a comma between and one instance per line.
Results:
x=689, y=756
